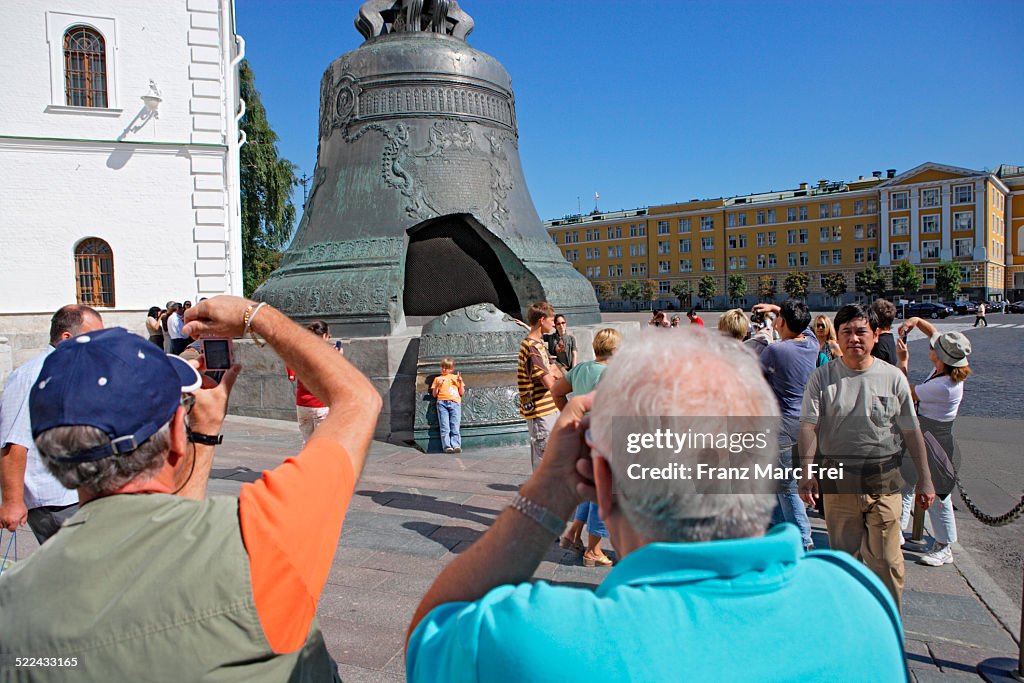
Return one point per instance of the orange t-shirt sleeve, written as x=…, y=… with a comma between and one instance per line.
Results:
x=291, y=520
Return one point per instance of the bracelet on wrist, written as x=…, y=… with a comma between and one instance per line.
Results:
x=546, y=519
x=247, y=319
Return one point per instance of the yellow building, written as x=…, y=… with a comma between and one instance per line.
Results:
x=927, y=215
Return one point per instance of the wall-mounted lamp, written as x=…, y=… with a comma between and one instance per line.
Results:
x=152, y=99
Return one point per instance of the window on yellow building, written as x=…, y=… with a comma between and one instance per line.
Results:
x=929, y=197
x=684, y=225
x=771, y=238
x=771, y=215
x=760, y=239
x=805, y=259
x=858, y=254
x=900, y=226
x=743, y=241
x=791, y=213
x=963, y=220
x=899, y=201
x=707, y=223
x=899, y=251
x=707, y=243
x=931, y=223
x=684, y=246
x=791, y=259
x=872, y=231
x=707, y=264
x=930, y=249
x=760, y=217
x=823, y=257
x=743, y=262
x=963, y=194
x=837, y=209
x=823, y=211
x=837, y=257
x=872, y=254
x=858, y=207
x=803, y=236
x=685, y=266
x=803, y=213
x=872, y=205
x=824, y=234
x=858, y=231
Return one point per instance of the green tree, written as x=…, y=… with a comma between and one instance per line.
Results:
x=649, y=291
x=737, y=287
x=267, y=180
x=947, y=281
x=605, y=290
x=707, y=288
x=797, y=284
x=631, y=291
x=905, y=278
x=835, y=285
x=870, y=282
x=683, y=291
x=766, y=287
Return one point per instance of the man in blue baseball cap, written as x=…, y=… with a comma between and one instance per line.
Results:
x=150, y=580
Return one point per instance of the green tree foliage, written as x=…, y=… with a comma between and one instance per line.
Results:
x=797, y=284
x=683, y=291
x=905, y=278
x=605, y=291
x=737, y=287
x=631, y=291
x=268, y=214
x=947, y=280
x=870, y=282
x=707, y=288
x=649, y=290
x=835, y=285
x=766, y=287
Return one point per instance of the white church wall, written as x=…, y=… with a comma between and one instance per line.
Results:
x=161, y=190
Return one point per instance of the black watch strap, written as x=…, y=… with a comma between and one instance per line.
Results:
x=205, y=439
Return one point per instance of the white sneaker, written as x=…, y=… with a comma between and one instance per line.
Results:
x=939, y=555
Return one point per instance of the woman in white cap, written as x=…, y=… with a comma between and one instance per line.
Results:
x=938, y=402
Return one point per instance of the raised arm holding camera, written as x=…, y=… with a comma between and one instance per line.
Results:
x=233, y=583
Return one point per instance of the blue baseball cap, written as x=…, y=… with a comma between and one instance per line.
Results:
x=114, y=381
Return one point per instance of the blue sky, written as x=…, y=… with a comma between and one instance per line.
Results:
x=652, y=102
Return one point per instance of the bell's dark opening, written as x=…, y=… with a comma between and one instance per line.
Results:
x=449, y=266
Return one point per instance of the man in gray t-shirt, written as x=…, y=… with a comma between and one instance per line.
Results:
x=856, y=414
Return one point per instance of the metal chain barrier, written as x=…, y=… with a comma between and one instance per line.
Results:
x=1001, y=520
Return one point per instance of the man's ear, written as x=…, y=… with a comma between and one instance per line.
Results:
x=605, y=486
x=179, y=441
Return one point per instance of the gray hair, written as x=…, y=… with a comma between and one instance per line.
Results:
x=696, y=374
x=106, y=475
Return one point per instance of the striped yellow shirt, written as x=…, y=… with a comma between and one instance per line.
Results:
x=534, y=362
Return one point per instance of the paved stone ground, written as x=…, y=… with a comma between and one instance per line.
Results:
x=412, y=513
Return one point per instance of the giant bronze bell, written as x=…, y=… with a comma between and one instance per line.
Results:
x=418, y=204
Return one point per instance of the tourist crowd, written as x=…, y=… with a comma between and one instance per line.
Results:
x=113, y=440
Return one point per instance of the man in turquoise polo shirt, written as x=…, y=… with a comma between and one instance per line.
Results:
x=701, y=591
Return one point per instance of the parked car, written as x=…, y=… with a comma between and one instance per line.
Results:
x=992, y=306
x=964, y=307
x=1017, y=307
x=924, y=309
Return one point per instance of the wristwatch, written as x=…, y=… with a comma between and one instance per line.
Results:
x=205, y=439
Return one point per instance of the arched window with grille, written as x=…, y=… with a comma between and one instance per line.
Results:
x=94, y=273
x=85, y=68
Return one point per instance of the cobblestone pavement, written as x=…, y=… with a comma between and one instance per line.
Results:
x=412, y=513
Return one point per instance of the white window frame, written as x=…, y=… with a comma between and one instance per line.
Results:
x=933, y=245
x=899, y=201
x=930, y=197
x=707, y=265
x=931, y=223
x=899, y=220
x=963, y=216
x=902, y=247
x=57, y=24
x=968, y=197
